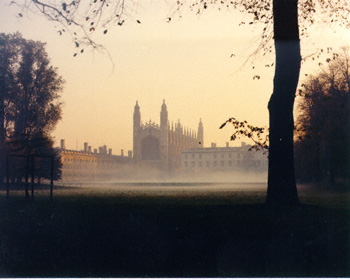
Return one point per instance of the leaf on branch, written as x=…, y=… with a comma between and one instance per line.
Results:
x=105, y=32
x=20, y=14
x=138, y=21
x=222, y=125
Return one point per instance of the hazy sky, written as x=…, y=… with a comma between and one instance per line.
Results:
x=186, y=62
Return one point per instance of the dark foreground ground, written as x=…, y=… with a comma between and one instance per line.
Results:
x=96, y=236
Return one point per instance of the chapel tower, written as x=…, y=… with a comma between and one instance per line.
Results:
x=200, y=135
x=137, y=126
x=164, y=135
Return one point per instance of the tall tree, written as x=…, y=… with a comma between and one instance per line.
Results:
x=8, y=54
x=282, y=190
x=35, y=106
x=30, y=102
x=323, y=123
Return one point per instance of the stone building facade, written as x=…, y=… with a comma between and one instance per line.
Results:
x=96, y=165
x=160, y=146
x=223, y=159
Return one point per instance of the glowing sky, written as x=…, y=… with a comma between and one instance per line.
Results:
x=187, y=62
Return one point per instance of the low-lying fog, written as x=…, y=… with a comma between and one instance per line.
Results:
x=152, y=185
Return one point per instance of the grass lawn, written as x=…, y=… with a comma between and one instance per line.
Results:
x=82, y=234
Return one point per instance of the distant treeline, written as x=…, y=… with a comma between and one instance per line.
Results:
x=322, y=138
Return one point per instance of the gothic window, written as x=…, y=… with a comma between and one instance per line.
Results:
x=150, y=148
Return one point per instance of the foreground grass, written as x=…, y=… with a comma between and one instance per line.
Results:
x=94, y=235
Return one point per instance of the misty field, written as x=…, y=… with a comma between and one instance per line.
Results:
x=172, y=230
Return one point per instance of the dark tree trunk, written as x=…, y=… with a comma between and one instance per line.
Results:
x=2, y=137
x=282, y=191
x=2, y=119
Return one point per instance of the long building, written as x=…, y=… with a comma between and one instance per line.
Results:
x=223, y=159
x=96, y=165
x=165, y=148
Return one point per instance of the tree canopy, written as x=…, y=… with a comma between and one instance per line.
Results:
x=30, y=88
x=83, y=20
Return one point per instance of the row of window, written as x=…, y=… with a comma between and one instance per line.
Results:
x=193, y=156
x=77, y=160
x=214, y=163
x=91, y=161
x=88, y=173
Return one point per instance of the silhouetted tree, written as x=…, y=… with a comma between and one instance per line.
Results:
x=30, y=87
x=8, y=54
x=282, y=190
x=323, y=125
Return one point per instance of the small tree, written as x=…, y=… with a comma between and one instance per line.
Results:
x=38, y=161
